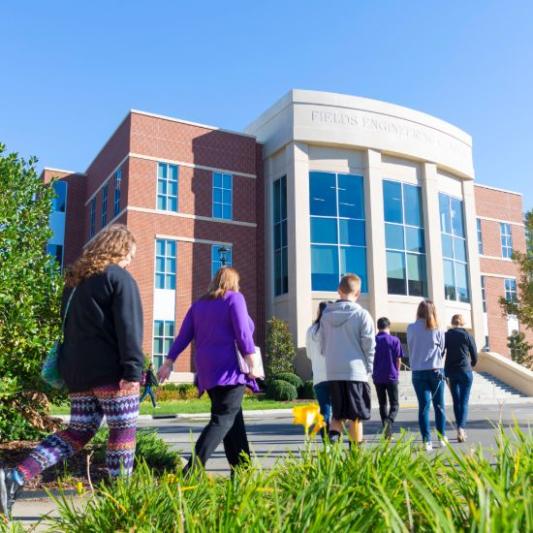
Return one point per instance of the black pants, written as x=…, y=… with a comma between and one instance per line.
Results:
x=226, y=424
x=388, y=414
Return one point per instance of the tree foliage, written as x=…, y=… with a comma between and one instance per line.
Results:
x=523, y=306
x=279, y=348
x=521, y=350
x=30, y=286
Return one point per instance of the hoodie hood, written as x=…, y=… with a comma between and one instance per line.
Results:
x=338, y=313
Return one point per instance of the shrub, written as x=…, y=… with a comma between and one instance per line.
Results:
x=30, y=288
x=378, y=488
x=150, y=448
x=176, y=391
x=280, y=352
x=521, y=350
x=307, y=392
x=281, y=391
x=291, y=378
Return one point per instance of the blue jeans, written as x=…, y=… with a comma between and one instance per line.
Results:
x=429, y=387
x=460, y=385
x=148, y=391
x=323, y=396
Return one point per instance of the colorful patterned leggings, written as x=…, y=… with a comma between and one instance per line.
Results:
x=120, y=408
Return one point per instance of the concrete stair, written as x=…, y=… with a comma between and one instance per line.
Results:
x=486, y=390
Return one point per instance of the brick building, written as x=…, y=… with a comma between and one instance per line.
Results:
x=196, y=195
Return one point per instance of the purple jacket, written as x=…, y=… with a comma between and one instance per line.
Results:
x=215, y=326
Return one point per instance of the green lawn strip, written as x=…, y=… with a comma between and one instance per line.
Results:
x=200, y=405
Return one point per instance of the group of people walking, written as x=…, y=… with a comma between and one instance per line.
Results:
x=101, y=361
x=346, y=353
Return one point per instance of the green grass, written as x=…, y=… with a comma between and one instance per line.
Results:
x=370, y=489
x=200, y=405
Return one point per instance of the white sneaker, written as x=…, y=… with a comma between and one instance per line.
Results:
x=443, y=442
x=428, y=446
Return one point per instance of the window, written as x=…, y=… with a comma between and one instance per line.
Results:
x=116, y=197
x=105, y=191
x=338, y=230
x=510, y=290
x=167, y=187
x=92, y=217
x=56, y=251
x=165, y=264
x=456, y=285
x=506, y=240
x=220, y=256
x=222, y=196
x=483, y=294
x=479, y=237
x=404, y=239
x=163, y=338
x=281, y=269
x=59, y=203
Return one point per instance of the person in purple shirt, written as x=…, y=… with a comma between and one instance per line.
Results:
x=386, y=373
x=219, y=323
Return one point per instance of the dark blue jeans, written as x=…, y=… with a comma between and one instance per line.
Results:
x=323, y=396
x=148, y=391
x=460, y=385
x=429, y=387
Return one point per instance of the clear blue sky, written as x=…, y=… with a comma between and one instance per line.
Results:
x=71, y=70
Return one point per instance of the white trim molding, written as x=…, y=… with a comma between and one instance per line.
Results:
x=191, y=240
x=53, y=169
x=503, y=276
x=497, y=189
x=496, y=257
x=189, y=216
x=501, y=221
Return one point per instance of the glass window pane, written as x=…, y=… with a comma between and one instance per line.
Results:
x=171, y=265
x=323, y=230
x=277, y=273
x=217, y=210
x=173, y=173
x=160, y=264
x=457, y=217
x=353, y=260
x=170, y=281
x=447, y=246
x=161, y=202
x=226, y=197
x=284, y=270
x=284, y=233
x=459, y=249
x=283, y=197
x=352, y=232
x=351, y=196
x=324, y=268
x=396, y=273
x=414, y=240
x=217, y=179
x=226, y=212
x=159, y=281
x=158, y=328
x=444, y=207
x=276, y=201
x=171, y=248
x=173, y=188
x=392, y=201
x=172, y=204
x=416, y=275
x=169, y=328
x=394, y=236
x=161, y=186
x=160, y=247
x=60, y=189
x=449, y=280
x=413, y=205
x=162, y=170
x=277, y=236
x=217, y=195
x=461, y=279
x=322, y=194
x=158, y=346
x=226, y=181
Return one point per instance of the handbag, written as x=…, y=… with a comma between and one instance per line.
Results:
x=257, y=363
x=50, y=370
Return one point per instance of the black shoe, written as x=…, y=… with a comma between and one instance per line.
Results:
x=9, y=490
x=334, y=436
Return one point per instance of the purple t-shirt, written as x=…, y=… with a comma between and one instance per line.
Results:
x=388, y=351
x=216, y=326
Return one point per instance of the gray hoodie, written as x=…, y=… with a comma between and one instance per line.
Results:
x=348, y=341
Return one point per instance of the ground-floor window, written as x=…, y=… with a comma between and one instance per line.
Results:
x=163, y=337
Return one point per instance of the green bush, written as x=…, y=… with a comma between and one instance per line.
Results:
x=30, y=288
x=176, y=391
x=150, y=449
x=281, y=391
x=307, y=392
x=388, y=487
x=279, y=353
x=291, y=378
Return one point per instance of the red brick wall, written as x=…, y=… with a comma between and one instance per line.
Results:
x=505, y=207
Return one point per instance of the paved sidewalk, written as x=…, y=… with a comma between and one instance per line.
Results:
x=272, y=435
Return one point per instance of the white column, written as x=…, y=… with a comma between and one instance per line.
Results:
x=299, y=241
x=474, y=270
x=430, y=203
x=375, y=236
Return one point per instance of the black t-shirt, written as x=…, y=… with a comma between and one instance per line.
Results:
x=103, y=331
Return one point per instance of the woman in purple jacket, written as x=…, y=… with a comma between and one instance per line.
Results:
x=218, y=322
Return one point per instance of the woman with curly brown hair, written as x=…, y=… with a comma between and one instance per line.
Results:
x=101, y=361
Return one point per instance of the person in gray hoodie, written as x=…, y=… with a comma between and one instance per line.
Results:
x=348, y=344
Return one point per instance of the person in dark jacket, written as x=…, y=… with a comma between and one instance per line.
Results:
x=149, y=381
x=461, y=356
x=101, y=361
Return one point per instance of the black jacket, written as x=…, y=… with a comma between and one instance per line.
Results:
x=460, y=350
x=103, y=331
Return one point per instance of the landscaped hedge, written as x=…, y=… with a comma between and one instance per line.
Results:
x=289, y=377
x=282, y=391
x=366, y=489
